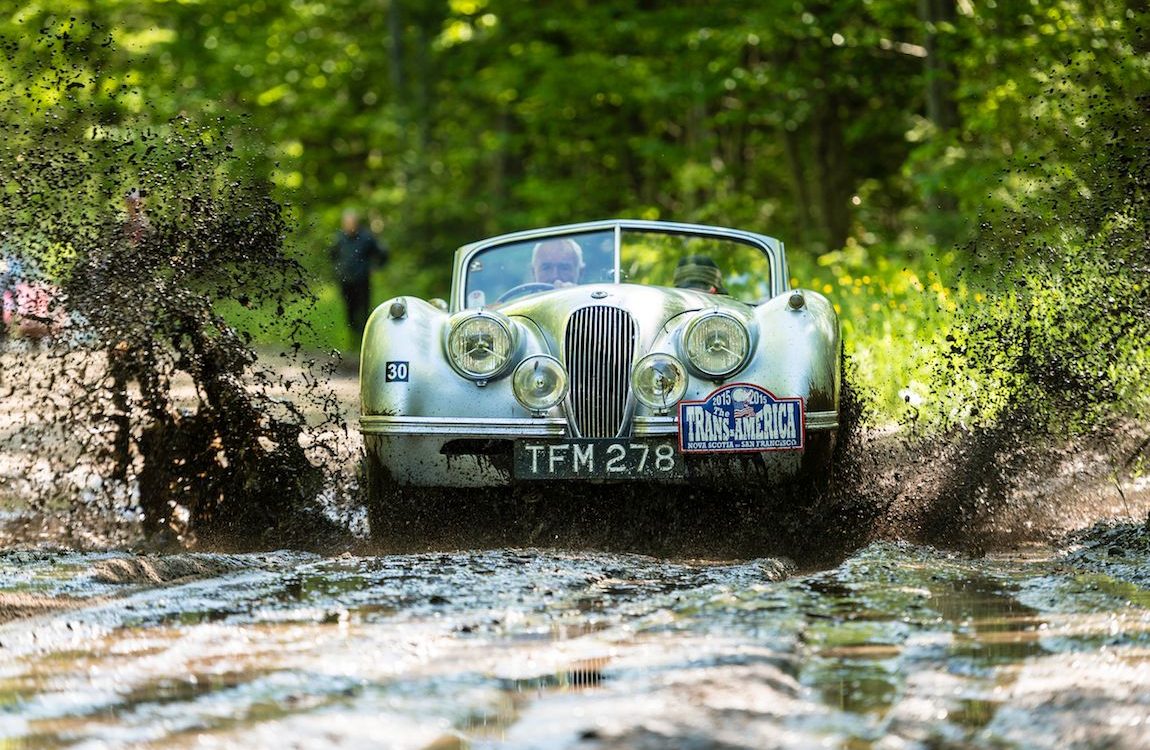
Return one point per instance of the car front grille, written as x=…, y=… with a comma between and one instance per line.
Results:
x=599, y=348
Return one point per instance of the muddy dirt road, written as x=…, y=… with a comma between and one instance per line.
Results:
x=884, y=645
x=899, y=646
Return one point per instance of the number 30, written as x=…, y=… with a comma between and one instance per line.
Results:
x=396, y=371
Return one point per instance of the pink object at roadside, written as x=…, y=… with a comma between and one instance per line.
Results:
x=31, y=309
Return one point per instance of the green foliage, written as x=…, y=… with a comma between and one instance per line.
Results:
x=1063, y=250
x=892, y=299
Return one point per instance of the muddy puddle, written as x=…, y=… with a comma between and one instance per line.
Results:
x=898, y=646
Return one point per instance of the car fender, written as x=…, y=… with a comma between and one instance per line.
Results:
x=798, y=350
x=404, y=369
x=794, y=353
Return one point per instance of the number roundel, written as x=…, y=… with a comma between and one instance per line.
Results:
x=396, y=372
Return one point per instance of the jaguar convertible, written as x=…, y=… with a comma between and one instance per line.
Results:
x=603, y=352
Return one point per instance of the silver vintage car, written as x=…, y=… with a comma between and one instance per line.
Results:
x=607, y=351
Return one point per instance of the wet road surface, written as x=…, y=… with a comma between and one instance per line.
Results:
x=897, y=647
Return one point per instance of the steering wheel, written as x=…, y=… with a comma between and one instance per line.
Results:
x=529, y=288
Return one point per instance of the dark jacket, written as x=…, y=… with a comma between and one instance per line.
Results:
x=354, y=255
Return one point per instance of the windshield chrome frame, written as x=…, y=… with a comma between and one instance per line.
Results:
x=770, y=247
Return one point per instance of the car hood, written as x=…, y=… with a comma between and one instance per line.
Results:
x=652, y=307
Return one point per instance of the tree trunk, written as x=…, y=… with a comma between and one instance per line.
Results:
x=941, y=107
x=832, y=171
x=395, y=50
x=802, y=191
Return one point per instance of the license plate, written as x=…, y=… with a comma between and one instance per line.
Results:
x=598, y=458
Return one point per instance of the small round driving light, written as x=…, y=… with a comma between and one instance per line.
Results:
x=539, y=383
x=480, y=346
x=716, y=344
x=659, y=381
x=797, y=300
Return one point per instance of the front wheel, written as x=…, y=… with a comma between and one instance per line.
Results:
x=396, y=515
x=817, y=465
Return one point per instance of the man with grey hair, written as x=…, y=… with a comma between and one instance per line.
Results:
x=557, y=262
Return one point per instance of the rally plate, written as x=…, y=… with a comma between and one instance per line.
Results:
x=598, y=458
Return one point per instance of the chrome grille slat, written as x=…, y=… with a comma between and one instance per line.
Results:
x=599, y=346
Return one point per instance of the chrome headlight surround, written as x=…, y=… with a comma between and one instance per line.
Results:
x=716, y=329
x=659, y=381
x=481, y=345
x=540, y=383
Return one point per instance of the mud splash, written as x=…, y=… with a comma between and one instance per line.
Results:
x=1042, y=384
x=128, y=398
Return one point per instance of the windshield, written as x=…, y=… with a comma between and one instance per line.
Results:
x=715, y=265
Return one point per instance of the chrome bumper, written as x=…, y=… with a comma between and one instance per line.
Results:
x=816, y=421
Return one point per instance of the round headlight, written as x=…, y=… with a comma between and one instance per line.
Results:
x=716, y=344
x=659, y=381
x=480, y=346
x=539, y=382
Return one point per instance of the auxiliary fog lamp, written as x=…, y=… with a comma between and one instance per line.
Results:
x=539, y=383
x=659, y=381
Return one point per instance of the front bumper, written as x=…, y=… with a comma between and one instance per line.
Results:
x=475, y=452
x=472, y=427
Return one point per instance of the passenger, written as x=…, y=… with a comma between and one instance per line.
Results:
x=699, y=272
x=557, y=262
x=136, y=224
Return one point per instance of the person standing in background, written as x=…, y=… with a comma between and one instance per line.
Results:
x=353, y=255
x=112, y=287
x=136, y=224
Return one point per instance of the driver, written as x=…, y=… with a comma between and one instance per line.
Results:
x=557, y=262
